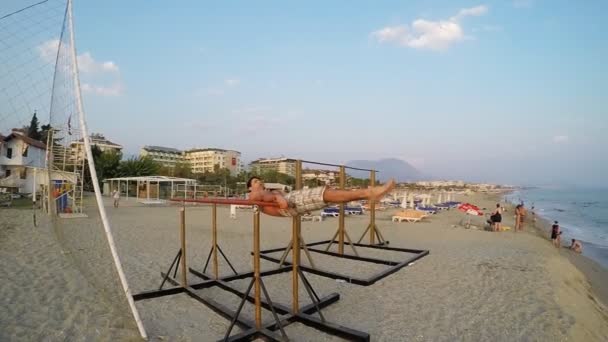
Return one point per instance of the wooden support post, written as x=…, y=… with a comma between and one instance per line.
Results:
x=342, y=214
x=182, y=234
x=256, y=268
x=372, y=207
x=295, y=247
x=214, y=230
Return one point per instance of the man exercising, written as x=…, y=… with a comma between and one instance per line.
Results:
x=302, y=201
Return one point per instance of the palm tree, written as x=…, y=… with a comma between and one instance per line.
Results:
x=142, y=166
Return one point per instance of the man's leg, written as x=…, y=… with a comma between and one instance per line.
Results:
x=343, y=196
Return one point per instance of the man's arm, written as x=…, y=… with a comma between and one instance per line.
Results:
x=266, y=196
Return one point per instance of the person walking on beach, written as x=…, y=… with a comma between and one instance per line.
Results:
x=576, y=246
x=496, y=218
x=520, y=214
x=302, y=201
x=556, y=238
x=116, y=197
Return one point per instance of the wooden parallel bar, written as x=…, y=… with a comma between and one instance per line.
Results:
x=224, y=201
x=335, y=165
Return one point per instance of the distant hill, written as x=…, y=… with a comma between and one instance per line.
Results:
x=388, y=168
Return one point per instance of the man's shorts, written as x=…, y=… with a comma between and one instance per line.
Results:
x=303, y=201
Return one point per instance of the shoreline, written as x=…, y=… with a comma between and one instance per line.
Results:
x=591, y=250
x=594, y=272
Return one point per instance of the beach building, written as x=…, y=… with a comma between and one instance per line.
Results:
x=323, y=176
x=19, y=156
x=277, y=186
x=281, y=165
x=78, y=151
x=208, y=159
x=166, y=156
x=440, y=183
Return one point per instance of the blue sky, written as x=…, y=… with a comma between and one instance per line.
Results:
x=498, y=91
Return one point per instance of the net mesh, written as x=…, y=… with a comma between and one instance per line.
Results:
x=38, y=74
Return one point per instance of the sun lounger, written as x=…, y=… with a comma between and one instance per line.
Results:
x=408, y=215
x=398, y=218
x=313, y=218
x=428, y=210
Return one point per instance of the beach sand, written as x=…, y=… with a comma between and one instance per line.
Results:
x=474, y=284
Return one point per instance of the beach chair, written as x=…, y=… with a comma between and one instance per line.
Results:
x=399, y=218
x=312, y=218
x=330, y=211
x=408, y=216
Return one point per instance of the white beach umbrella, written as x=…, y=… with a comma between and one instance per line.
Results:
x=404, y=201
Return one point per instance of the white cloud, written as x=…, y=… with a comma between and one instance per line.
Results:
x=115, y=89
x=232, y=82
x=470, y=12
x=48, y=50
x=427, y=34
x=87, y=64
x=91, y=70
x=561, y=139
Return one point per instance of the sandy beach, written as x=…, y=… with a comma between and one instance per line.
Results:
x=474, y=285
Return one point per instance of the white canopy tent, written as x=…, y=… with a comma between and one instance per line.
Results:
x=148, y=181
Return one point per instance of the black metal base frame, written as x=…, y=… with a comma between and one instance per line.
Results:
x=394, y=266
x=268, y=330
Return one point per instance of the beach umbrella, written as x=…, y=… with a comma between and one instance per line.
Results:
x=404, y=201
x=470, y=209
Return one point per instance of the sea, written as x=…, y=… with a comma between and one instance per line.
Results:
x=582, y=214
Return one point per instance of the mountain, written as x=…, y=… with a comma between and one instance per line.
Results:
x=388, y=168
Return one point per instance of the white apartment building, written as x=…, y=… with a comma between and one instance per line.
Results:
x=281, y=165
x=19, y=157
x=166, y=156
x=205, y=160
x=98, y=140
x=440, y=183
x=327, y=177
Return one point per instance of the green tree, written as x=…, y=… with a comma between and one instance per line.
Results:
x=107, y=164
x=135, y=167
x=33, y=130
x=182, y=170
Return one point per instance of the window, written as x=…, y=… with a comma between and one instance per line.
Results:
x=24, y=154
x=7, y=173
x=23, y=174
x=9, y=153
